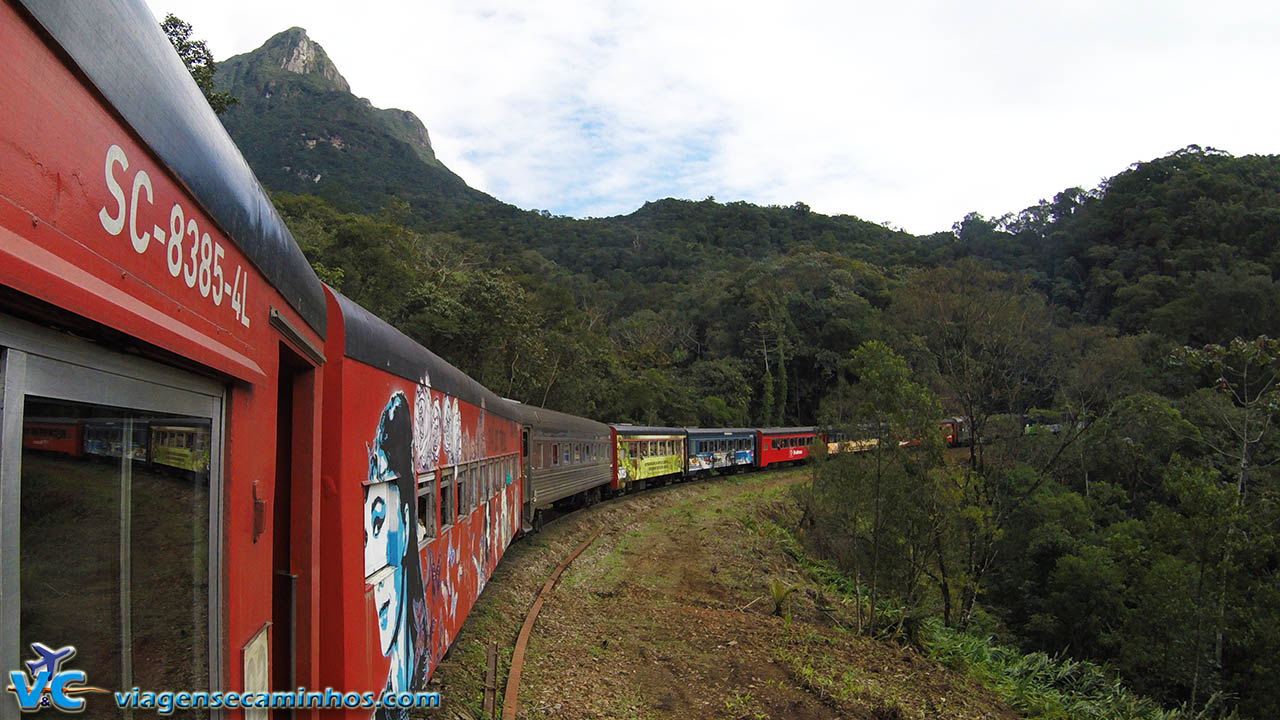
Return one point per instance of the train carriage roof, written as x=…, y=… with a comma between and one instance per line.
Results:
x=719, y=432
x=787, y=430
x=554, y=421
x=647, y=430
x=371, y=340
x=120, y=48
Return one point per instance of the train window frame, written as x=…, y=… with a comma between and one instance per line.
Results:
x=427, y=492
x=473, y=474
x=477, y=474
x=41, y=362
x=555, y=454
x=448, y=501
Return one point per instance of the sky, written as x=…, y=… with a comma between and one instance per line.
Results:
x=910, y=114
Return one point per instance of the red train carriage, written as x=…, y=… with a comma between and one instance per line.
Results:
x=53, y=435
x=145, y=277
x=420, y=499
x=783, y=444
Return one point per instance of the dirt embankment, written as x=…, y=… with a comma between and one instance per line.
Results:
x=669, y=614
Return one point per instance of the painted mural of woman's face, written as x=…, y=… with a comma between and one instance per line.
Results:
x=386, y=538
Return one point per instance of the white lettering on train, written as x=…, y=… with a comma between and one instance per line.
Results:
x=202, y=270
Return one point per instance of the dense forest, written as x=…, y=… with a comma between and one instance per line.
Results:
x=1118, y=502
x=1109, y=350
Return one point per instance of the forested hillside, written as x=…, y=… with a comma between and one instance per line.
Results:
x=1118, y=499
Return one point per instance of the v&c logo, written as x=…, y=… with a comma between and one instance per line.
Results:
x=45, y=684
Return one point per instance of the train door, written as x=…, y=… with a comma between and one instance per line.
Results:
x=114, y=553
x=526, y=487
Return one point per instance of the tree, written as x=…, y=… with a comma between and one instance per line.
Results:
x=983, y=335
x=880, y=509
x=780, y=404
x=1241, y=413
x=196, y=56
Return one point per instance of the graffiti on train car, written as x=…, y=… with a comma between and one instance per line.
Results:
x=418, y=607
x=391, y=559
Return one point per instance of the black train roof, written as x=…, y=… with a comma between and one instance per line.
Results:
x=371, y=340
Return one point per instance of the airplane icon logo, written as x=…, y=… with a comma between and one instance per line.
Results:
x=49, y=659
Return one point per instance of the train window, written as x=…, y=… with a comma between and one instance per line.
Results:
x=555, y=454
x=473, y=480
x=473, y=486
x=427, y=506
x=461, y=491
x=113, y=539
x=446, y=500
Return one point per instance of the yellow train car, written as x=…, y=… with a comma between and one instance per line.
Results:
x=182, y=447
x=646, y=455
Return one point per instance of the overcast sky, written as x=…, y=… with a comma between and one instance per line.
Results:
x=906, y=113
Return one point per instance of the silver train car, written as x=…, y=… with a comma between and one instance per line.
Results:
x=567, y=459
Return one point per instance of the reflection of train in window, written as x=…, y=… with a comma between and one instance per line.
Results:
x=185, y=447
x=105, y=438
x=178, y=443
x=52, y=435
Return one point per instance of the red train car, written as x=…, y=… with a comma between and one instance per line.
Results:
x=420, y=499
x=53, y=435
x=145, y=276
x=783, y=444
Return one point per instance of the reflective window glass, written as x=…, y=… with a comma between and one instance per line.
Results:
x=114, y=543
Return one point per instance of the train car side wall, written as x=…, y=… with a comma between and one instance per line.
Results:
x=433, y=484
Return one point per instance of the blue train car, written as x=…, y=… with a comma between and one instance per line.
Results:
x=724, y=449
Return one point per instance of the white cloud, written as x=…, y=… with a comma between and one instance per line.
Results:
x=911, y=113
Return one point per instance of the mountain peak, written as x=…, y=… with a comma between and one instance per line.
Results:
x=293, y=51
x=302, y=130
